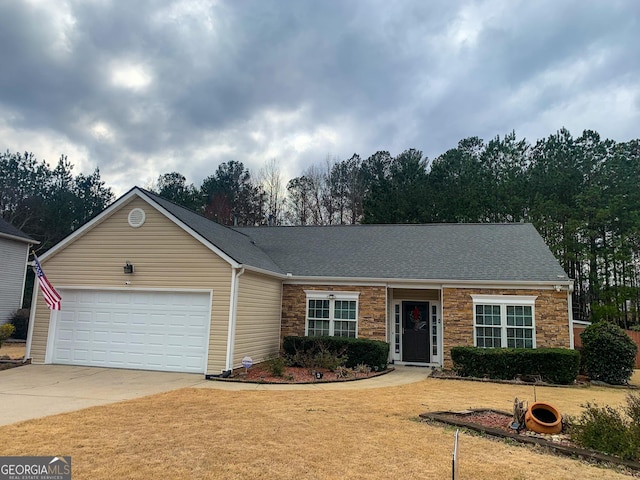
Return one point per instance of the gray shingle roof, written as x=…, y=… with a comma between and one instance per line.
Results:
x=484, y=252
x=7, y=229
x=457, y=252
x=235, y=244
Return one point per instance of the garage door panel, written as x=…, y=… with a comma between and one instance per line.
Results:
x=142, y=330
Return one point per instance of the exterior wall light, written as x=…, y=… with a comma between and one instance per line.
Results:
x=128, y=268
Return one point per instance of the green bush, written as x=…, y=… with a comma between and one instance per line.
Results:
x=6, y=331
x=276, y=365
x=348, y=351
x=609, y=353
x=608, y=430
x=20, y=320
x=554, y=365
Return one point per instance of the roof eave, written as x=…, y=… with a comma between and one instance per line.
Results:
x=29, y=241
x=263, y=271
x=440, y=283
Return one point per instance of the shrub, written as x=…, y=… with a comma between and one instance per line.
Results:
x=20, y=320
x=276, y=365
x=609, y=353
x=608, y=430
x=554, y=365
x=6, y=331
x=350, y=351
x=343, y=372
x=329, y=360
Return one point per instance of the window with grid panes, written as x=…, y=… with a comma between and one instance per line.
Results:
x=333, y=315
x=504, y=321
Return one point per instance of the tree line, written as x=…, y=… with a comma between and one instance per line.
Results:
x=580, y=193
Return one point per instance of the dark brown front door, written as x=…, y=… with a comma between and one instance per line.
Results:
x=415, y=332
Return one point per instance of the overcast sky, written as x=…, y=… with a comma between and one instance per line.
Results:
x=140, y=88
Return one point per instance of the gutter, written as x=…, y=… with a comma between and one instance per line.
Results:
x=18, y=238
x=429, y=282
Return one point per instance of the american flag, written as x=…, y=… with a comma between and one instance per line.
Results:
x=52, y=297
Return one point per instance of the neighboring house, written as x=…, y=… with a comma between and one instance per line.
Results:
x=14, y=253
x=201, y=296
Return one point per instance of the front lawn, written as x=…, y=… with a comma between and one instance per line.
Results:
x=14, y=351
x=306, y=434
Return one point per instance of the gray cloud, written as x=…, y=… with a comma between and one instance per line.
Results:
x=146, y=87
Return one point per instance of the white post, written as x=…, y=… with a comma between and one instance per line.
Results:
x=454, y=463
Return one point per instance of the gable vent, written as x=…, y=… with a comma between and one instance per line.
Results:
x=136, y=217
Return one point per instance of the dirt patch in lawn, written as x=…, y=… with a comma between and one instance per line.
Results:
x=309, y=434
x=260, y=373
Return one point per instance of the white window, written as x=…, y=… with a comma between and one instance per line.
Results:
x=504, y=321
x=333, y=314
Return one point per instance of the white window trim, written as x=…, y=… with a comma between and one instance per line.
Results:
x=503, y=301
x=332, y=297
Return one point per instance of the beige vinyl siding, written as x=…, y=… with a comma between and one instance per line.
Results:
x=258, y=317
x=13, y=261
x=164, y=257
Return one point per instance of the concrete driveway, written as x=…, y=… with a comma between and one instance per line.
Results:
x=34, y=391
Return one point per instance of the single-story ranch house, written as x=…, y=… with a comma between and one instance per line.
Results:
x=148, y=284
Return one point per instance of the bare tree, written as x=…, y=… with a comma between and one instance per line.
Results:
x=270, y=178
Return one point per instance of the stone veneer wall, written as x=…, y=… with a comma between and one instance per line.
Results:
x=551, y=317
x=372, y=314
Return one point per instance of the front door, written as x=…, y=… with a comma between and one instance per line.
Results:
x=415, y=332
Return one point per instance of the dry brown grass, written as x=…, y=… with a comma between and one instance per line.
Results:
x=343, y=434
x=15, y=351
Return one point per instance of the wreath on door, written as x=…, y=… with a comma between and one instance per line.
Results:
x=416, y=317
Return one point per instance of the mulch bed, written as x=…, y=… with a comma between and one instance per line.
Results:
x=451, y=375
x=496, y=423
x=259, y=373
x=7, y=364
x=581, y=382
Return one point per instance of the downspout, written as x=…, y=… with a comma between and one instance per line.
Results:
x=32, y=317
x=233, y=313
x=570, y=306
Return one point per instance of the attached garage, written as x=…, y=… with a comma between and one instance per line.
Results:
x=147, y=330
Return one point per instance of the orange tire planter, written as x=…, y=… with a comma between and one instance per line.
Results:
x=543, y=418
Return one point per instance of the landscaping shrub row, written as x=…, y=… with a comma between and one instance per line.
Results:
x=20, y=320
x=358, y=351
x=554, y=365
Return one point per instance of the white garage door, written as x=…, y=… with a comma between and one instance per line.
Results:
x=126, y=329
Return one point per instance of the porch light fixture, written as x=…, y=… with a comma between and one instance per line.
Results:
x=128, y=268
x=332, y=296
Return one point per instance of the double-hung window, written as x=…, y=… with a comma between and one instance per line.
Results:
x=504, y=321
x=333, y=314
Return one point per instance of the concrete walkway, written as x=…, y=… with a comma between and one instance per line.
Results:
x=34, y=391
